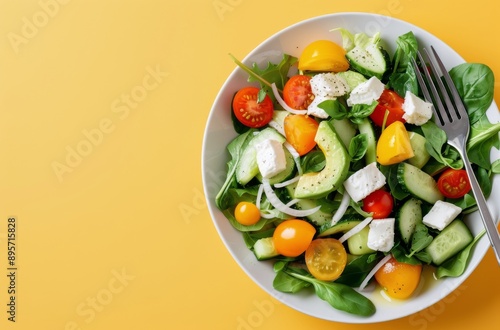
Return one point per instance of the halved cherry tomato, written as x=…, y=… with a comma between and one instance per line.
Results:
x=454, y=183
x=247, y=213
x=393, y=103
x=300, y=131
x=326, y=259
x=323, y=55
x=292, y=237
x=398, y=279
x=297, y=92
x=379, y=203
x=250, y=112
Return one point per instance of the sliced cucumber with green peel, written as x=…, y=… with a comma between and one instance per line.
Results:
x=418, y=183
x=319, y=217
x=407, y=218
x=340, y=227
x=358, y=243
x=421, y=155
x=449, y=242
x=264, y=249
x=365, y=127
x=247, y=168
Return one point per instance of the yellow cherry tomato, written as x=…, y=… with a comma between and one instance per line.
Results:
x=394, y=144
x=247, y=213
x=326, y=259
x=323, y=55
x=398, y=279
x=292, y=237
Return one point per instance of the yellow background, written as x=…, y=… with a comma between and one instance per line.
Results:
x=103, y=106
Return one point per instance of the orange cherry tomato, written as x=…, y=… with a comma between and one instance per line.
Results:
x=248, y=111
x=300, y=131
x=292, y=237
x=454, y=183
x=398, y=279
x=393, y=103
x=297, y=92
x=247, y=213
x=326, y=259
x=379, y=203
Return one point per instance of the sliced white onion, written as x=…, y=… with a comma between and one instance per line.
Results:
x=280, y=206
x=355, y=230
x=292, y=202
x=283, y=103
x=259, y=196
x=287, y=182
x=344, y=204
x=374, y=270
x=295, y=155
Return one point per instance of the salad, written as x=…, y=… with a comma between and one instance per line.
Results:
x=341, y=179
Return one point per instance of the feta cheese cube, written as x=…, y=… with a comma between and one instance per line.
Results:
x=329, y=85
x=366, y=92
x=364, y=181
x=417, y=111
x=314, y=110
x=381, y=234
x=441, y=215
x=271, y=158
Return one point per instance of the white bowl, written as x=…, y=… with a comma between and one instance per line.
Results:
x=219, y=131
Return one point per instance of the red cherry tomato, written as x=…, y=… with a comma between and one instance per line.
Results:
x=380, y=203
x=393, y=103
x=297, y=92
x=250, y=112
x=292, y=237
x=454, y=183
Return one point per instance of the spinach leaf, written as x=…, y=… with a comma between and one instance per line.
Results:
x=284, y=282
x=484, y=180
x=360, y=111
x=403, y=76
x=235, y=149
x=340, y=296
x=391, y=174
x=475, y=84
x=313, y=161
x=358, y=146
x=455, y=266
x=420, y=239
x=495, y=166
x=483, y=136
x=334, y=109
x=437, y=145
x=356, y=270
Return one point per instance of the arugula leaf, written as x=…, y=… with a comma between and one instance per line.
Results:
x=483, y=136
x=475, y=83
x=403, y=76
x=455, y=266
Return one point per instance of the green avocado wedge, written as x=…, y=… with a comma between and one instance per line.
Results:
x=319, y=184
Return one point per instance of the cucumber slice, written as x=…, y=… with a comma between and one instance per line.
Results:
x=421, y=155
x=319, y=217
x=247, y=167
x=365, y=127
x=264, y=248
x=358, y=243
x=449, y=242
x=344, y=129
x=418, y=183
x=340, y=227
x=408, y=216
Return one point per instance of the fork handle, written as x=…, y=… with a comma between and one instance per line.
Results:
x=488, y=222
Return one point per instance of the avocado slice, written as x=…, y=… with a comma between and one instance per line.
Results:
x=319, y=184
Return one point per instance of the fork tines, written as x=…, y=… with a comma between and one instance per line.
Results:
x=437, y=87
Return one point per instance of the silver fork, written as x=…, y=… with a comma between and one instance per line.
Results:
x=450, y=115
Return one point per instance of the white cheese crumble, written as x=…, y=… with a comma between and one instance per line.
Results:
x=441, y=215
x=325, y=86
x=364, y=181
x=271, y=158
x=381, y=234
x=366, y=92
x=417, y=111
